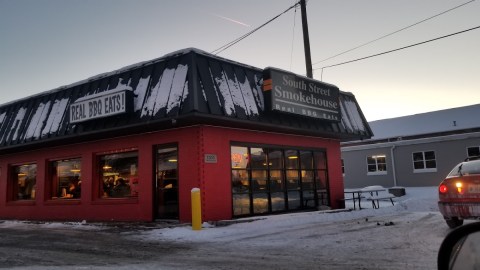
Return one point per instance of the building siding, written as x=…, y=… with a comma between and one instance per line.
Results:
x=449, y=151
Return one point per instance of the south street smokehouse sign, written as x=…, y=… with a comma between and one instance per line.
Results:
x=287, y=92
x=100, y=105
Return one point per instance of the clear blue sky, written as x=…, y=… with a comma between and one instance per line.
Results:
x=45, y=44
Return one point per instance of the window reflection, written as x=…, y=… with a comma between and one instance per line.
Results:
x=291, y=159
x=292, y=179
x=276, y=180
x=24, y=181
x=306, y=160
x=275, y=159
x=259, y=180
x=240, y=183
x=259, y=158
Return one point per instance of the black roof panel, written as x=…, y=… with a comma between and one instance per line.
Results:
x=189, y=86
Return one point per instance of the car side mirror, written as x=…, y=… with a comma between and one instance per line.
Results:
x=461, y=248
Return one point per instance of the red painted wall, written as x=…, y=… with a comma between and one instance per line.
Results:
x=213, y=179
x=90, y=206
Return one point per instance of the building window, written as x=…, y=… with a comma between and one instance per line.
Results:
x=66, y=179
x=270, y=180
x=24, y=181
x=473, y=151
x=119, y=175
x=377, y=165
x=424, y=162
x=343, y=167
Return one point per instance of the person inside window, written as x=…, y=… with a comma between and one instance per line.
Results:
x=73, y=190
x=108, y=185
x=121, y=189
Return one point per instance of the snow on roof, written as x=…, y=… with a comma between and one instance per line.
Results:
x=425, y=123
x=164, y=88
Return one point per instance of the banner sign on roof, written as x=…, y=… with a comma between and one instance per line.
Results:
x=291, y=93
x=101, y=105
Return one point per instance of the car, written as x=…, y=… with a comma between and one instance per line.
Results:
x=459, y=249
x=459, y=193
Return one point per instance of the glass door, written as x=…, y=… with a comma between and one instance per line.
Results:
x=166, y=183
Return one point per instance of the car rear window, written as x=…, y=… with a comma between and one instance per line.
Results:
x=466, y=168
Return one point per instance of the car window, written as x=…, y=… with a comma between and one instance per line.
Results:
x=466, y=168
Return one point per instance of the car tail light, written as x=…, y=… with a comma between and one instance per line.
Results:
x=459, y=187
x=443, y=188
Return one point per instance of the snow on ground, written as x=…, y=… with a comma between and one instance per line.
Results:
x=419, y=199
x=404, y=236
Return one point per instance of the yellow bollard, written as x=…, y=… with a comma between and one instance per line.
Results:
x=196, y=210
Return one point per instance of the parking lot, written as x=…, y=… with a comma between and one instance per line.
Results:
x=404, y=236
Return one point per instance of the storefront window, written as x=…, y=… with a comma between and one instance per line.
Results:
x=306, y=160
x=275, y=159
x=240, y=183
x=291, y=159
x=276, y=180
x=240, y=157
x=259, y=158
x=66, y=179
x=24, y=181
x=119, y=175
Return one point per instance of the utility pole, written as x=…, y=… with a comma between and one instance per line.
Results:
x=306, y=40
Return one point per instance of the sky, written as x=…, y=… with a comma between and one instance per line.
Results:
x=45, y=44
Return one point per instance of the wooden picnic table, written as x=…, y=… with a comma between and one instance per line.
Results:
x=357, y=194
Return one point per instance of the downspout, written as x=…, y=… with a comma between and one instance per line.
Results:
x=393, y=166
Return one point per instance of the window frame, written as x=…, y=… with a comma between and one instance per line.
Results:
x=97, y=186
x=377, y=171
x=12, y=187
x=48, y=192
x=278, y=166
x=470, y=147
x=424, y=161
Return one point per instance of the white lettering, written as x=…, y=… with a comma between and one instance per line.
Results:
x=101, y=106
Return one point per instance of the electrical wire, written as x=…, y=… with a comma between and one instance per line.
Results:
x=398, y=49
x=235, y=41
x=404, y=28
x=293, y=37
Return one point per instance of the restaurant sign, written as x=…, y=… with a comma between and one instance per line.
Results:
x=101, y=105
x=287, y=92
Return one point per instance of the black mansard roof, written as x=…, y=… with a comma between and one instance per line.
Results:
x=183, y=88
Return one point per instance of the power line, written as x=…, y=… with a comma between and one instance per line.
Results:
x=394, y=50
x=293, y=37
x=404, y=28
x=233, y=42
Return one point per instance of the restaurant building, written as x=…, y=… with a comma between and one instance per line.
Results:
x=131, y=144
